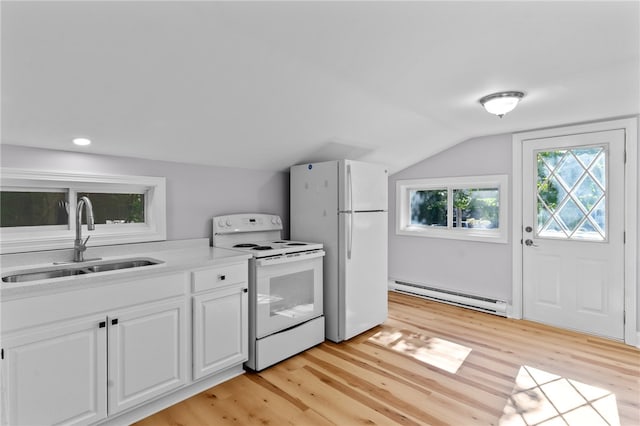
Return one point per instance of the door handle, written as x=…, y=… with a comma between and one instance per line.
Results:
x=530, y=243
x=350, y=187
x=350, y=236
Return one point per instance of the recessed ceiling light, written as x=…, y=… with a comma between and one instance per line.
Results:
x=501, y=103
x=82, y=141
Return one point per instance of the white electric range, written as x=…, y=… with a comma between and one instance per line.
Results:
x=285, y=286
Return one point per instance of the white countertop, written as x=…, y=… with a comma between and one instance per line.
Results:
x=176, y=256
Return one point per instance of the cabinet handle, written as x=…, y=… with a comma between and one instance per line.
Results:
x=114, y=321
x=222, y=277
x=244, y=290
x=102, y=324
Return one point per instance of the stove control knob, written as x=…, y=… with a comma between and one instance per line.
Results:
x=228, y=222
x=274, y=220
x=221, y=223
x=278, y=221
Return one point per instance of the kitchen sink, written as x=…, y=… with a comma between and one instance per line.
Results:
x=124, y=264
x=42, y=275
x=77, y=269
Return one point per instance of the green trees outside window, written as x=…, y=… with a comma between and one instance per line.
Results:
x=33, y=208
x=116, y=208
x=472, y=207
x=476, y=208
x=429, y=207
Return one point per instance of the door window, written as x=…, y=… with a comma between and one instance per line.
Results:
x=571, y=193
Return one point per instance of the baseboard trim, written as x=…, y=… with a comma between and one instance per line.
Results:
x=456, y=298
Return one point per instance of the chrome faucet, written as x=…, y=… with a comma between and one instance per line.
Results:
x=80, y=246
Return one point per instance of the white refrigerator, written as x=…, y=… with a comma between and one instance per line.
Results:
x=343, y=204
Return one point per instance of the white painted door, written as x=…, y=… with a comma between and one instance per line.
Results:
x=147, y=353
x=573, y=236
x=220, y=330
x=56, y=374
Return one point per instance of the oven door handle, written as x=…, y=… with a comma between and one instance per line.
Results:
x=288, y=258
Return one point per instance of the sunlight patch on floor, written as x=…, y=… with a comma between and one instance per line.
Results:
x=543, y=398
x=440, y=353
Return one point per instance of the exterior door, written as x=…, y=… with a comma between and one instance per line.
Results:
x=573, y=236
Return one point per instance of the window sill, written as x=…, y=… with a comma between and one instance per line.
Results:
x=485, y=236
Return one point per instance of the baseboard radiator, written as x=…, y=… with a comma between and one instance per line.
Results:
x=483, y=304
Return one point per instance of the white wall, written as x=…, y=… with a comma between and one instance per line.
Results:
x=473, y=267
x=194, y=193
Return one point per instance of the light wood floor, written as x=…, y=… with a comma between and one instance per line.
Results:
x=433, y=364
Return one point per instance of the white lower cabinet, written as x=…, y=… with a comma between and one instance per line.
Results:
x=56, y=374
x=220, y=330
x=147, y=353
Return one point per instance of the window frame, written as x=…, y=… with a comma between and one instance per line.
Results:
x=51, y=237
x=403, y=208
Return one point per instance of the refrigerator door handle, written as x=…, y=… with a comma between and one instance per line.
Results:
x=350, y=240
x=350, y=183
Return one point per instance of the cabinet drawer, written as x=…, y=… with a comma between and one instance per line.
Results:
x=207, y=279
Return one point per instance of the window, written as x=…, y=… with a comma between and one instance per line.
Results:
x=110, y=208
x=466, y=208
x=39, y=209
x=571, y=193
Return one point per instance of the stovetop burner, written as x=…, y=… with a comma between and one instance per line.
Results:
x=258, y=235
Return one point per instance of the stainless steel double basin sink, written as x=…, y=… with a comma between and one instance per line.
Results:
x=69, y=270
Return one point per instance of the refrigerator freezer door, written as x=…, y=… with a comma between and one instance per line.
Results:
x=363, y=274
x=363, y=186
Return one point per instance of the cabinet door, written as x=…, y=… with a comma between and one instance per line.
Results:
x=220, y=330
x=56, y=374
x=147, y=353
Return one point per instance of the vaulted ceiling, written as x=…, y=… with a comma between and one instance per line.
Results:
x=267, y=84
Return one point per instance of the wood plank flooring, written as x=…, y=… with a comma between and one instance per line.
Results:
x=433, y=364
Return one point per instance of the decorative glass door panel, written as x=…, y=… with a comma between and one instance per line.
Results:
x=571, y=193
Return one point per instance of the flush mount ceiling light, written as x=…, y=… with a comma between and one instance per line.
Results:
x=502, y=102
x=82, y=141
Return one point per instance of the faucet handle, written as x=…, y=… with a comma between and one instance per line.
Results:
x=84, y=243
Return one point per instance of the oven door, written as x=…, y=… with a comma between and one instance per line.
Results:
x=288, y=291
